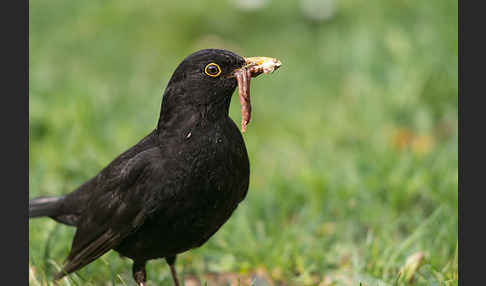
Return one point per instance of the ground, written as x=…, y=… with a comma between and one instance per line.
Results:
x=353, y=142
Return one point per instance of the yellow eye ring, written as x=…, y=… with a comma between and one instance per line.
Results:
x=210, y=71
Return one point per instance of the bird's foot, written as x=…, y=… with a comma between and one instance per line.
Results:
x=139, y=273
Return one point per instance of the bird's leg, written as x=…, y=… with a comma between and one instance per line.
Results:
x=139, y=273
x=171, y=261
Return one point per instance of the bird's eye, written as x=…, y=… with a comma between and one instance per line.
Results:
x=212, y=69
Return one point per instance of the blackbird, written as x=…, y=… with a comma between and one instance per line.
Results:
x=177, y=186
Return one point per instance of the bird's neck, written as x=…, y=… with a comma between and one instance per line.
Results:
x=179, y=118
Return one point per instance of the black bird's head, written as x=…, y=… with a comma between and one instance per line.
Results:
x=203, y=83
x=206, y=75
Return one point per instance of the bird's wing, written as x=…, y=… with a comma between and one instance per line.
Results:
x=113, y=214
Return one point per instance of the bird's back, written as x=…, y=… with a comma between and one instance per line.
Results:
x=106, y=181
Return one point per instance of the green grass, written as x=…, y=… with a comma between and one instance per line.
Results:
x=353, y=142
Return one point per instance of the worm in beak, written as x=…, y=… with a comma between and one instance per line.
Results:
x=254, y=66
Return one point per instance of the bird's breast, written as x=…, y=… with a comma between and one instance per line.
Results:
x=217, y=174
x=208, y=179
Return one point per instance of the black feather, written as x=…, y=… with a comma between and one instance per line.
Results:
x=44, y=206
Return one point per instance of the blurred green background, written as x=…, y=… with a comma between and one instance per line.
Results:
x=353, y=142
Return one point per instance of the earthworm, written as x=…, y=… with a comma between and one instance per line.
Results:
x=243, y=77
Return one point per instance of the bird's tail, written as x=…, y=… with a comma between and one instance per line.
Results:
x=44, y=206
